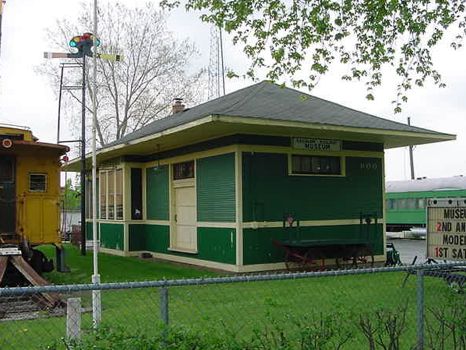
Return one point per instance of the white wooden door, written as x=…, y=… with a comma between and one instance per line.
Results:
x=185, y=235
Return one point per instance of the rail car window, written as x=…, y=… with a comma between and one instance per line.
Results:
x=406, y=203
x=37, y=182
x=7, y=172
x=421, y=203
x=389, y=203
x=111, y=194
x=315, y=165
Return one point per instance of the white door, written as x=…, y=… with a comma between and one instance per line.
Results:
x=185, y=230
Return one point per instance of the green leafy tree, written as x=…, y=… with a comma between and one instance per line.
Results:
x=301, y=39
x=71, y=196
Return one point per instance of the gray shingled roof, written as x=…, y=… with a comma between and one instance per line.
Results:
x=270, y=101
x=424, y=184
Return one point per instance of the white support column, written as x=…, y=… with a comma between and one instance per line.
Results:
x=96, y=298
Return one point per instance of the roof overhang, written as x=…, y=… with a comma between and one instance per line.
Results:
x=215, y=126
x=23, y=147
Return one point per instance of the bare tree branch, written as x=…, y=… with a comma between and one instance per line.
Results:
x=140, y=89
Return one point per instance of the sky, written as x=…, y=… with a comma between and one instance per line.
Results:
x=27, y=99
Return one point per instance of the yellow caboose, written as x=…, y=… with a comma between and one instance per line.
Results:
x=29, y=195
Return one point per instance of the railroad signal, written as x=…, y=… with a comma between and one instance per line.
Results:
x=84, y=44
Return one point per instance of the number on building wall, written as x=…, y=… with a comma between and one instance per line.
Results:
x=368, y=165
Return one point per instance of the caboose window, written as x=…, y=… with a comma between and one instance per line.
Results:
x=315, y=165
x=37, y=182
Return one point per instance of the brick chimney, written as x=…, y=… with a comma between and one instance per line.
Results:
x=178, y=105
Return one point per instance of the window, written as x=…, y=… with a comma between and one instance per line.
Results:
x=6, y=169
x=88, y=199
x=37, y=182
x=111, y=194
x=389, y=204
x=89, y=203
x=421, y=203
x=315, y=165
x=103, y=195
x=119, y=194
x=183, y=170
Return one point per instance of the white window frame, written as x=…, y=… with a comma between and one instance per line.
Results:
x=104, y=173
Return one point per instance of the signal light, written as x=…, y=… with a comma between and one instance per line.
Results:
x=87, y=39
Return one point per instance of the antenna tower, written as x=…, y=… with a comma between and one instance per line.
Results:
x=216, y=68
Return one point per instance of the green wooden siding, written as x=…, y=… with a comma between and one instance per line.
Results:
x=157, y=193
x=154, y=238
x=112, y=236
x=89, y=230
x=214, y=244
x=215, y=182
x=217, y=244
x=269, y=192
x=259, y=248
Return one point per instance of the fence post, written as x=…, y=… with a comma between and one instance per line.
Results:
x=420, y=309
x=73, y=318
x=164, y=305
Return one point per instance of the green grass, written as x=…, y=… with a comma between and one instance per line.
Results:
x=118, y=269
x=270, y=312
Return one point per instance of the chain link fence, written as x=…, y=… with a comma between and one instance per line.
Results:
x=416, y=307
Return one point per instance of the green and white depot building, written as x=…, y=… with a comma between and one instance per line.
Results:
x=210, y=185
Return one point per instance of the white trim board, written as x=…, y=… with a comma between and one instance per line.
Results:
x=305, y=223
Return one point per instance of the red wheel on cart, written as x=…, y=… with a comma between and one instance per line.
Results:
x=297, y=261
x=363, y=257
